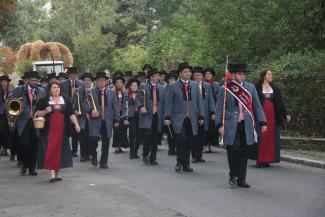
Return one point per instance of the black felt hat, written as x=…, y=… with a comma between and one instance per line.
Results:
x=129, y=73
x=237, y=67
x=118, y=73
x=62, y=74
x=118, y=78
x=182, y=66
x=132, y=80
x=5, y=78
x=198, y=69
x=101, y=75
x=33, y=74
x=141, y=74
x=162, y=72
x=20, y=83
x=72, y=69
x=50, y=76
x=211, y=70
x=87, y=75
x=172, y=74
x=152, y=72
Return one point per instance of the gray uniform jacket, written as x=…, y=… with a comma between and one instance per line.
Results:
x=176, y=105
x=22, y=91
x=111, y=112
x=232, y=112
x=145, y=95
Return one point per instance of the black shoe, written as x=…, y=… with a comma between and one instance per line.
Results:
x=153, y=162
x=233, y=182
x=94, y=162
x=145, y=160
x=19, y=164
x=82, y=159
x=194, y=161
x=32, y=172
x=201, y=160
x=187, y=169
x=52, y=180
x=12, y=157
x=103, y=166
x=178, y=167
x=266, y=165
x=258, y=165
x=244, y=185
x=22, y=170
x=58, y=179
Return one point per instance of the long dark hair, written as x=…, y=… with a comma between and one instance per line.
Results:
x=262, y=75
x=51, y=83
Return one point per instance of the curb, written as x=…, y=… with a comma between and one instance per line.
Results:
x=303, y=161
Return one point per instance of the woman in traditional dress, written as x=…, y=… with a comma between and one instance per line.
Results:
x=268, y=150
x=120, y=133
x=54, y=151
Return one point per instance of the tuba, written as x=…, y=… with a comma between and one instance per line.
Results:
x=14, y=110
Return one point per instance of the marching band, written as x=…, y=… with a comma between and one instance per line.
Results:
x=186, y=104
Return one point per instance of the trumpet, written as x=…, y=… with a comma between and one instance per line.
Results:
x=76, y=101
x=91, y=102
x=14, y=110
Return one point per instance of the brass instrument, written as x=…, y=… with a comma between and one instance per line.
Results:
x=144, y=98
x=14, y=110
x=76, y=101
x=91, y=102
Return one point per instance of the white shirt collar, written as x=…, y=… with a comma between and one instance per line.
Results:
x=29, y=88
x=185, y=81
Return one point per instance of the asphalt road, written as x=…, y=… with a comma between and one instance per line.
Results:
x=129, y=189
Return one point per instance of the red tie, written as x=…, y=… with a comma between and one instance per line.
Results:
x=241, y=114
x=31, y=96
x=102, y=95
x=119, y=97
x=154, y=99
x=5, y=94
x=73, y=87
x=187, y=103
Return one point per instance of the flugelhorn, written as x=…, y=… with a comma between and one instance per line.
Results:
x=91, y=102
x=14, y=110
x=76, y=101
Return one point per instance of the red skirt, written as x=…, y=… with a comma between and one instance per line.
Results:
x=55, y=142
x=267, y=147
